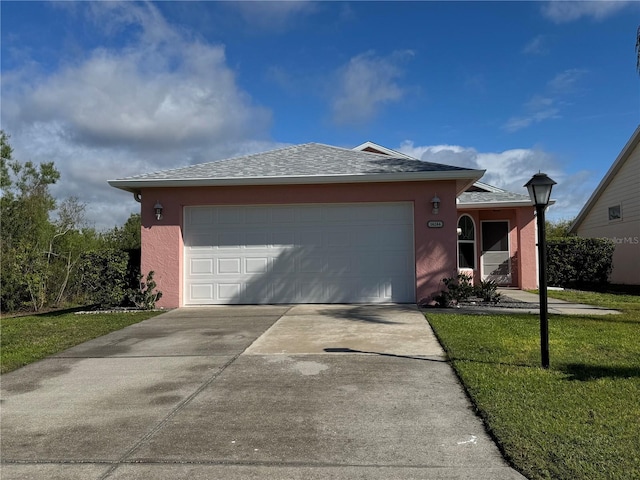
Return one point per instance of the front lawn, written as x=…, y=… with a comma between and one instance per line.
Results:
x=24, y=340
x=578, y=420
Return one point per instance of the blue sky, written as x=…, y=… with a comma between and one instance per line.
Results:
x=108, y=90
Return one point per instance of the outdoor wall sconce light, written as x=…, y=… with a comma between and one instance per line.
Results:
x=435, y=201
x=158, y=210
x=540, y=192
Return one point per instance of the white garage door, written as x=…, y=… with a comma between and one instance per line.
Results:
x=344, y=253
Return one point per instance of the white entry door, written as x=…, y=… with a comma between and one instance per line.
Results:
x=328, y=253
x=495, y=257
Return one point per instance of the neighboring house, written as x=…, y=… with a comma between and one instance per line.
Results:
x=315, y=223
x=613, y=211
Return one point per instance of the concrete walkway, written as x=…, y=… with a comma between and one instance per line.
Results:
x=278, y=392
x=554, y=305
x=519, y=301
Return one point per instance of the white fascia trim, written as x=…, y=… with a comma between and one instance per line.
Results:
x=506, y=204
x=489, y=188
x=135, y=185
x=380, y=148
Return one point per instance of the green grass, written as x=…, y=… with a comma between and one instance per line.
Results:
x=26, y=339
x=578, y=420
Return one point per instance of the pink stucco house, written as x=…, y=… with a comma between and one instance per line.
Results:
x=314, y=223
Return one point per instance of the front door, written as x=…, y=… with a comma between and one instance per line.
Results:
x=495, y=257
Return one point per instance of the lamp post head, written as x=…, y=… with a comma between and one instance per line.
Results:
x=540, y=189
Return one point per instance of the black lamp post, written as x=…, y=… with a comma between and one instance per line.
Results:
x=540, y=192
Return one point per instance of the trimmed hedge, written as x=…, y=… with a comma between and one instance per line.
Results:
x=583, y=263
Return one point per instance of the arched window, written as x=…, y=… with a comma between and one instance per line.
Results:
x=466, y=243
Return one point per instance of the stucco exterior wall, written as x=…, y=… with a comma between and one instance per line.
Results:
x=435, y=248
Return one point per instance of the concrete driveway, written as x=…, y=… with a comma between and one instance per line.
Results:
x=279, y=392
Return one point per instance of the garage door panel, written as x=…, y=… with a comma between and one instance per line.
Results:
x=283, y=264
x=299, y=254
x=283, y=239
x=228, y=240
x=201, y=241
x=256, y=240
x=393, y=264
x=338, y=239
x=230, y=216
x=202, y=292
x=283, y=215
x=228, y=292
x=339, y=264
x=229, y=266
x=309, y=214
x=256, y=265
x=310, y=264
x=199, y=216
x=256, y=215
x=201, y=266
x=308, y=238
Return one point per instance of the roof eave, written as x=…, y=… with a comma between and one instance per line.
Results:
x=464, y=178
x=484, y=205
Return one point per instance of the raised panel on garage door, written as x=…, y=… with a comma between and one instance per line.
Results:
x=327, y=253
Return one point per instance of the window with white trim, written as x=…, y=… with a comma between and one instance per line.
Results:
x=466, y=242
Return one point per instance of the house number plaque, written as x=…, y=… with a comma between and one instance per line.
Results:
x=435, y=224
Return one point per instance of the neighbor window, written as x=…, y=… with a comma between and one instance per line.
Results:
x=615, y=213
x=466, y=242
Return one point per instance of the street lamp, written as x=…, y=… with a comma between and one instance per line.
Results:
x=540, y=192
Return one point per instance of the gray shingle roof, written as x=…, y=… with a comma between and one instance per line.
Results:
x=310, y=163
x=310, y=159
x=492, y=197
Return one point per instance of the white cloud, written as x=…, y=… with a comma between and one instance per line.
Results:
x=365, y=84
x=161, y=101
x=548, y=105
x=511, y=169
x=273, y=15
x=536, y=46
x=536, y=116
x=566, y=81
x=561, y=11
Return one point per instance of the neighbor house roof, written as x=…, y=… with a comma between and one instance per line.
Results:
x=375, y=148
x=608, y=178
x=303, y=164
x=482, y=195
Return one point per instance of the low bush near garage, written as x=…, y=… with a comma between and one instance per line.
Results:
x=26, y=339
x=580, y=418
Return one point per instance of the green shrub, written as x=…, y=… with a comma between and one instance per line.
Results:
x=145, y=296
x=104, y=276
x=459, y=289
x=487, y=290
x=583, y=263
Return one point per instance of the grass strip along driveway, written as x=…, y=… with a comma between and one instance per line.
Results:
x=26, y=339
x=578, y=420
